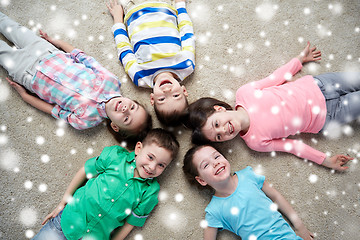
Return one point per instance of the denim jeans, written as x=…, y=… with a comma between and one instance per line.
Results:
x=51, y=230
x=342, y=95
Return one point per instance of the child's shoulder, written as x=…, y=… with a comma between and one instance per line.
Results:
x=249, y=174
x=245, y=171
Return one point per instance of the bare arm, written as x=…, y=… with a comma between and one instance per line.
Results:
x=30, y=99
x=123, y=232
x=78, y=179
x=210, y=233
x=67, y=47
x=285, y=208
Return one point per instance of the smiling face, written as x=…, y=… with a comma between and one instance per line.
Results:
x=125, y=114
x=151, y=160
x=168, y=95
x=222, y=125
x=212, y=167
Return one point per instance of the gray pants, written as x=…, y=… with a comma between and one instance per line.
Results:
x=342, y=95
x=30, y=49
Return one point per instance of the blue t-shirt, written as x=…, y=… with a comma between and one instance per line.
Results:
x=248, y=212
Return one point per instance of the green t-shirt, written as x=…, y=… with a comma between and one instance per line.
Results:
x=109, y=198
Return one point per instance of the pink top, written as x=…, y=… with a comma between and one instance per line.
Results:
x=278, y=108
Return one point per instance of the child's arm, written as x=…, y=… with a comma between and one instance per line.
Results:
x=210, y=233
x=300, y=149
x=57, y=42
x=285, y=72
x=123, y=232
x=285, y=208
x=124, y=49
x=30, y=99
x=186, y=29
x=78, y=179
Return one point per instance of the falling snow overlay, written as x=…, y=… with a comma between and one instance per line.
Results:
x=237, y=42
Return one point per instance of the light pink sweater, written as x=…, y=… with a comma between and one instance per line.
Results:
x=278, y=108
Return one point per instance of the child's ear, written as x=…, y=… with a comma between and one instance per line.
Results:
x=152, y=101
x=114, y=127
x=184, y=91
x=219, y=108
x=138, y=148
x=201, y=181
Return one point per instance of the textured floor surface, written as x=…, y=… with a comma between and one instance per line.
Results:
x=237, y=42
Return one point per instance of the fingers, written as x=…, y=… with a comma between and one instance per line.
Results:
x=341, y=161
x=48, y=217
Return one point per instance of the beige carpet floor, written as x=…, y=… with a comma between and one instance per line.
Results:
x=237, y=42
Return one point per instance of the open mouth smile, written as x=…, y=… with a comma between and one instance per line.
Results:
x=231, y=128
x=146, y=171
x=220, y=170
x=117, y=106
x=165, y=82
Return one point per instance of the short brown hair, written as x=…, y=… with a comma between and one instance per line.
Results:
x=163, y=138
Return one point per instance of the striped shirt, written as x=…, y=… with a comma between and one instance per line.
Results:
x=154, y=38
x=77, y=85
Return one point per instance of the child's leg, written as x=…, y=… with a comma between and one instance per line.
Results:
x=15, y=63
x=20, y=63
x=51, y=230
x=342, y=94
x=19, y=35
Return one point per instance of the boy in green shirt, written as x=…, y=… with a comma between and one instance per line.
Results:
x=120, y=192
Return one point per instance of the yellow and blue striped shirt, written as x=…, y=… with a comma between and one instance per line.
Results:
x=154, y=38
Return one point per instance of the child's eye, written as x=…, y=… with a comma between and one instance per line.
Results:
x=161, y=99
x=161, y=165
x=150, y=157
x=206, y=165
x=132, y=107
x=217, y=156
x=216, y=124
x=218, y=137
x=126, y=119
x=176, y=95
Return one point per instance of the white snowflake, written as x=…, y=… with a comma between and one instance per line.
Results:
x=266, y=11
x=28, y=216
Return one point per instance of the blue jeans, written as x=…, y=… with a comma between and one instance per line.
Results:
x=51, y=230
x=342, y=95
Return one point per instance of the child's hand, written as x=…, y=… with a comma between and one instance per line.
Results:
x=45, y=36
x=20, y=89
x=116, y=11
x=337, y=162
x=309, y=54
x=55, y=212
x=304, y=233
x=51, y=40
